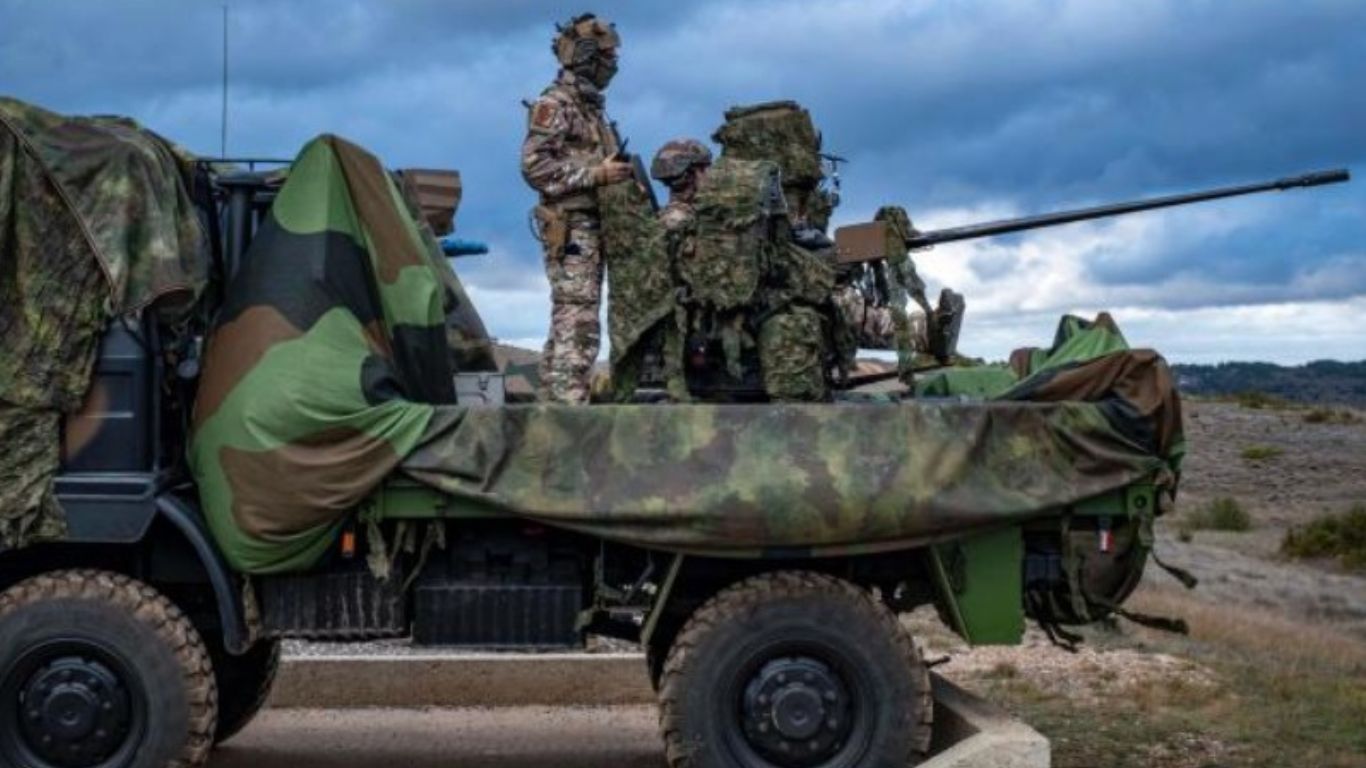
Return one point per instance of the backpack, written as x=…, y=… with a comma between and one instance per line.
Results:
x=777, y=131
x=781, y=132
x=738, y=224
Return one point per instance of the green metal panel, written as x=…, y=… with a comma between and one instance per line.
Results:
x=981, y=584
x=400, y=499
x=1129, y=502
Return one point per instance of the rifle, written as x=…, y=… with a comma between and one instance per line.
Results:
x=638, y=172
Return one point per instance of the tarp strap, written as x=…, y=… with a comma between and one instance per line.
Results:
x=1068, y=641
x=1180, y=574
x=1176, y=626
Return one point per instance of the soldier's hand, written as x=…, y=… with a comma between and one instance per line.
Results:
x=613, y=171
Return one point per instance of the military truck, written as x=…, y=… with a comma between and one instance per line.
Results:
x=759, y=553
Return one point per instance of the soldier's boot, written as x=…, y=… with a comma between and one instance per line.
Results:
x=948, y=321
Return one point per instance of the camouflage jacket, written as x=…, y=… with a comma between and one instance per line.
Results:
x=676, y=215
x=568, y=136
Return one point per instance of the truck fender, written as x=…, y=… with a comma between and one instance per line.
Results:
x=226, y=586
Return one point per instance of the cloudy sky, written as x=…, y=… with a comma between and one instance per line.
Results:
x=961, y=111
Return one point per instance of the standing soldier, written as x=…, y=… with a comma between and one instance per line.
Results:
x=570, y=150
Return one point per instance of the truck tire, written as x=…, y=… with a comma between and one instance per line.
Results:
x=98, y=670
x=794, y=670
x=244, y=684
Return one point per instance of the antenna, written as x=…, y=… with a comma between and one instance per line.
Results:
x=223, y=136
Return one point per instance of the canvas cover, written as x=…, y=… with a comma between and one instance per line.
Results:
x=805, y=479
x=783, y=479
x=95, y=220
x=323, y=364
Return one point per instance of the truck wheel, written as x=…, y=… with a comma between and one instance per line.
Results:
x=794, y=670
x=98, y=670
x=244, y=684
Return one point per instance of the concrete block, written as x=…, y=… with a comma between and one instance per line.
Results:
x=970, y=733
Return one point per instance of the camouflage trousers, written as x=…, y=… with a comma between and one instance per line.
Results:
x=31, y=441
x=876, y=327
x=571, y=349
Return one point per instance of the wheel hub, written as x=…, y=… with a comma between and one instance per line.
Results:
x=796, y=711
x=74, y=712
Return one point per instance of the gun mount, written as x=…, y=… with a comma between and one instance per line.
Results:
x=869, y=242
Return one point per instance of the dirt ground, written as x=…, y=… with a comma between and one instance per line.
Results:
x=1322, y=467
x=1274, y=670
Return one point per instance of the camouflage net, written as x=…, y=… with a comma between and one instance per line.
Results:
x=95, y=220
x=640, y=278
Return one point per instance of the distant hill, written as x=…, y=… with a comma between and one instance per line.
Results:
x=1322, y=381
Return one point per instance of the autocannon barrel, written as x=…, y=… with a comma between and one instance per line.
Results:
x=1006, y=226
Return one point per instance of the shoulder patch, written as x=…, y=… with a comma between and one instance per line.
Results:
x=543, y=115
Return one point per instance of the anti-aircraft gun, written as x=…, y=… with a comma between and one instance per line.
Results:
x=878, y=242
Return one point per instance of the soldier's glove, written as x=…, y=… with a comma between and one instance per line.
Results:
x=612, y=172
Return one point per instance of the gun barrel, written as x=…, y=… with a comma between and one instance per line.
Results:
x=1006, y=226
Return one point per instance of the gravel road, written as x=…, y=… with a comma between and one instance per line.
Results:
x=513, y=737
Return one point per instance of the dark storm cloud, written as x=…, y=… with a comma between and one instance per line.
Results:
x=1027, y=104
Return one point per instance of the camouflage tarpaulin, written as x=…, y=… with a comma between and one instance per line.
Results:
x=1076, y=339
x=28, y=510
x=316, y=375
x=94, y=219
x=738, y=480
x=128, y=189
x=468, y=341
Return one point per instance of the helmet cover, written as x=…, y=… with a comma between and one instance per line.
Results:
x=677, y=157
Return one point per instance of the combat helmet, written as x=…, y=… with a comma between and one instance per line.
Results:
x=579, y=44
x=676, y=158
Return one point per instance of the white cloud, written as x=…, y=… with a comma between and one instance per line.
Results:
x=997, y=109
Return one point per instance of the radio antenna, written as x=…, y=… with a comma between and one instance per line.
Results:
x=223, y=135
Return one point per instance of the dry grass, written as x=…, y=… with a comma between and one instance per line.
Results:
x=1291, y=642
x=1245, y=689
x=1261, y=452
x=1259, y=400
x=1331, y=416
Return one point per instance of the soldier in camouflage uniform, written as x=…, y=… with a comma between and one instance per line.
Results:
x=927, y=330
x=680, y=165
x=570, y=150
x=874, y=326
